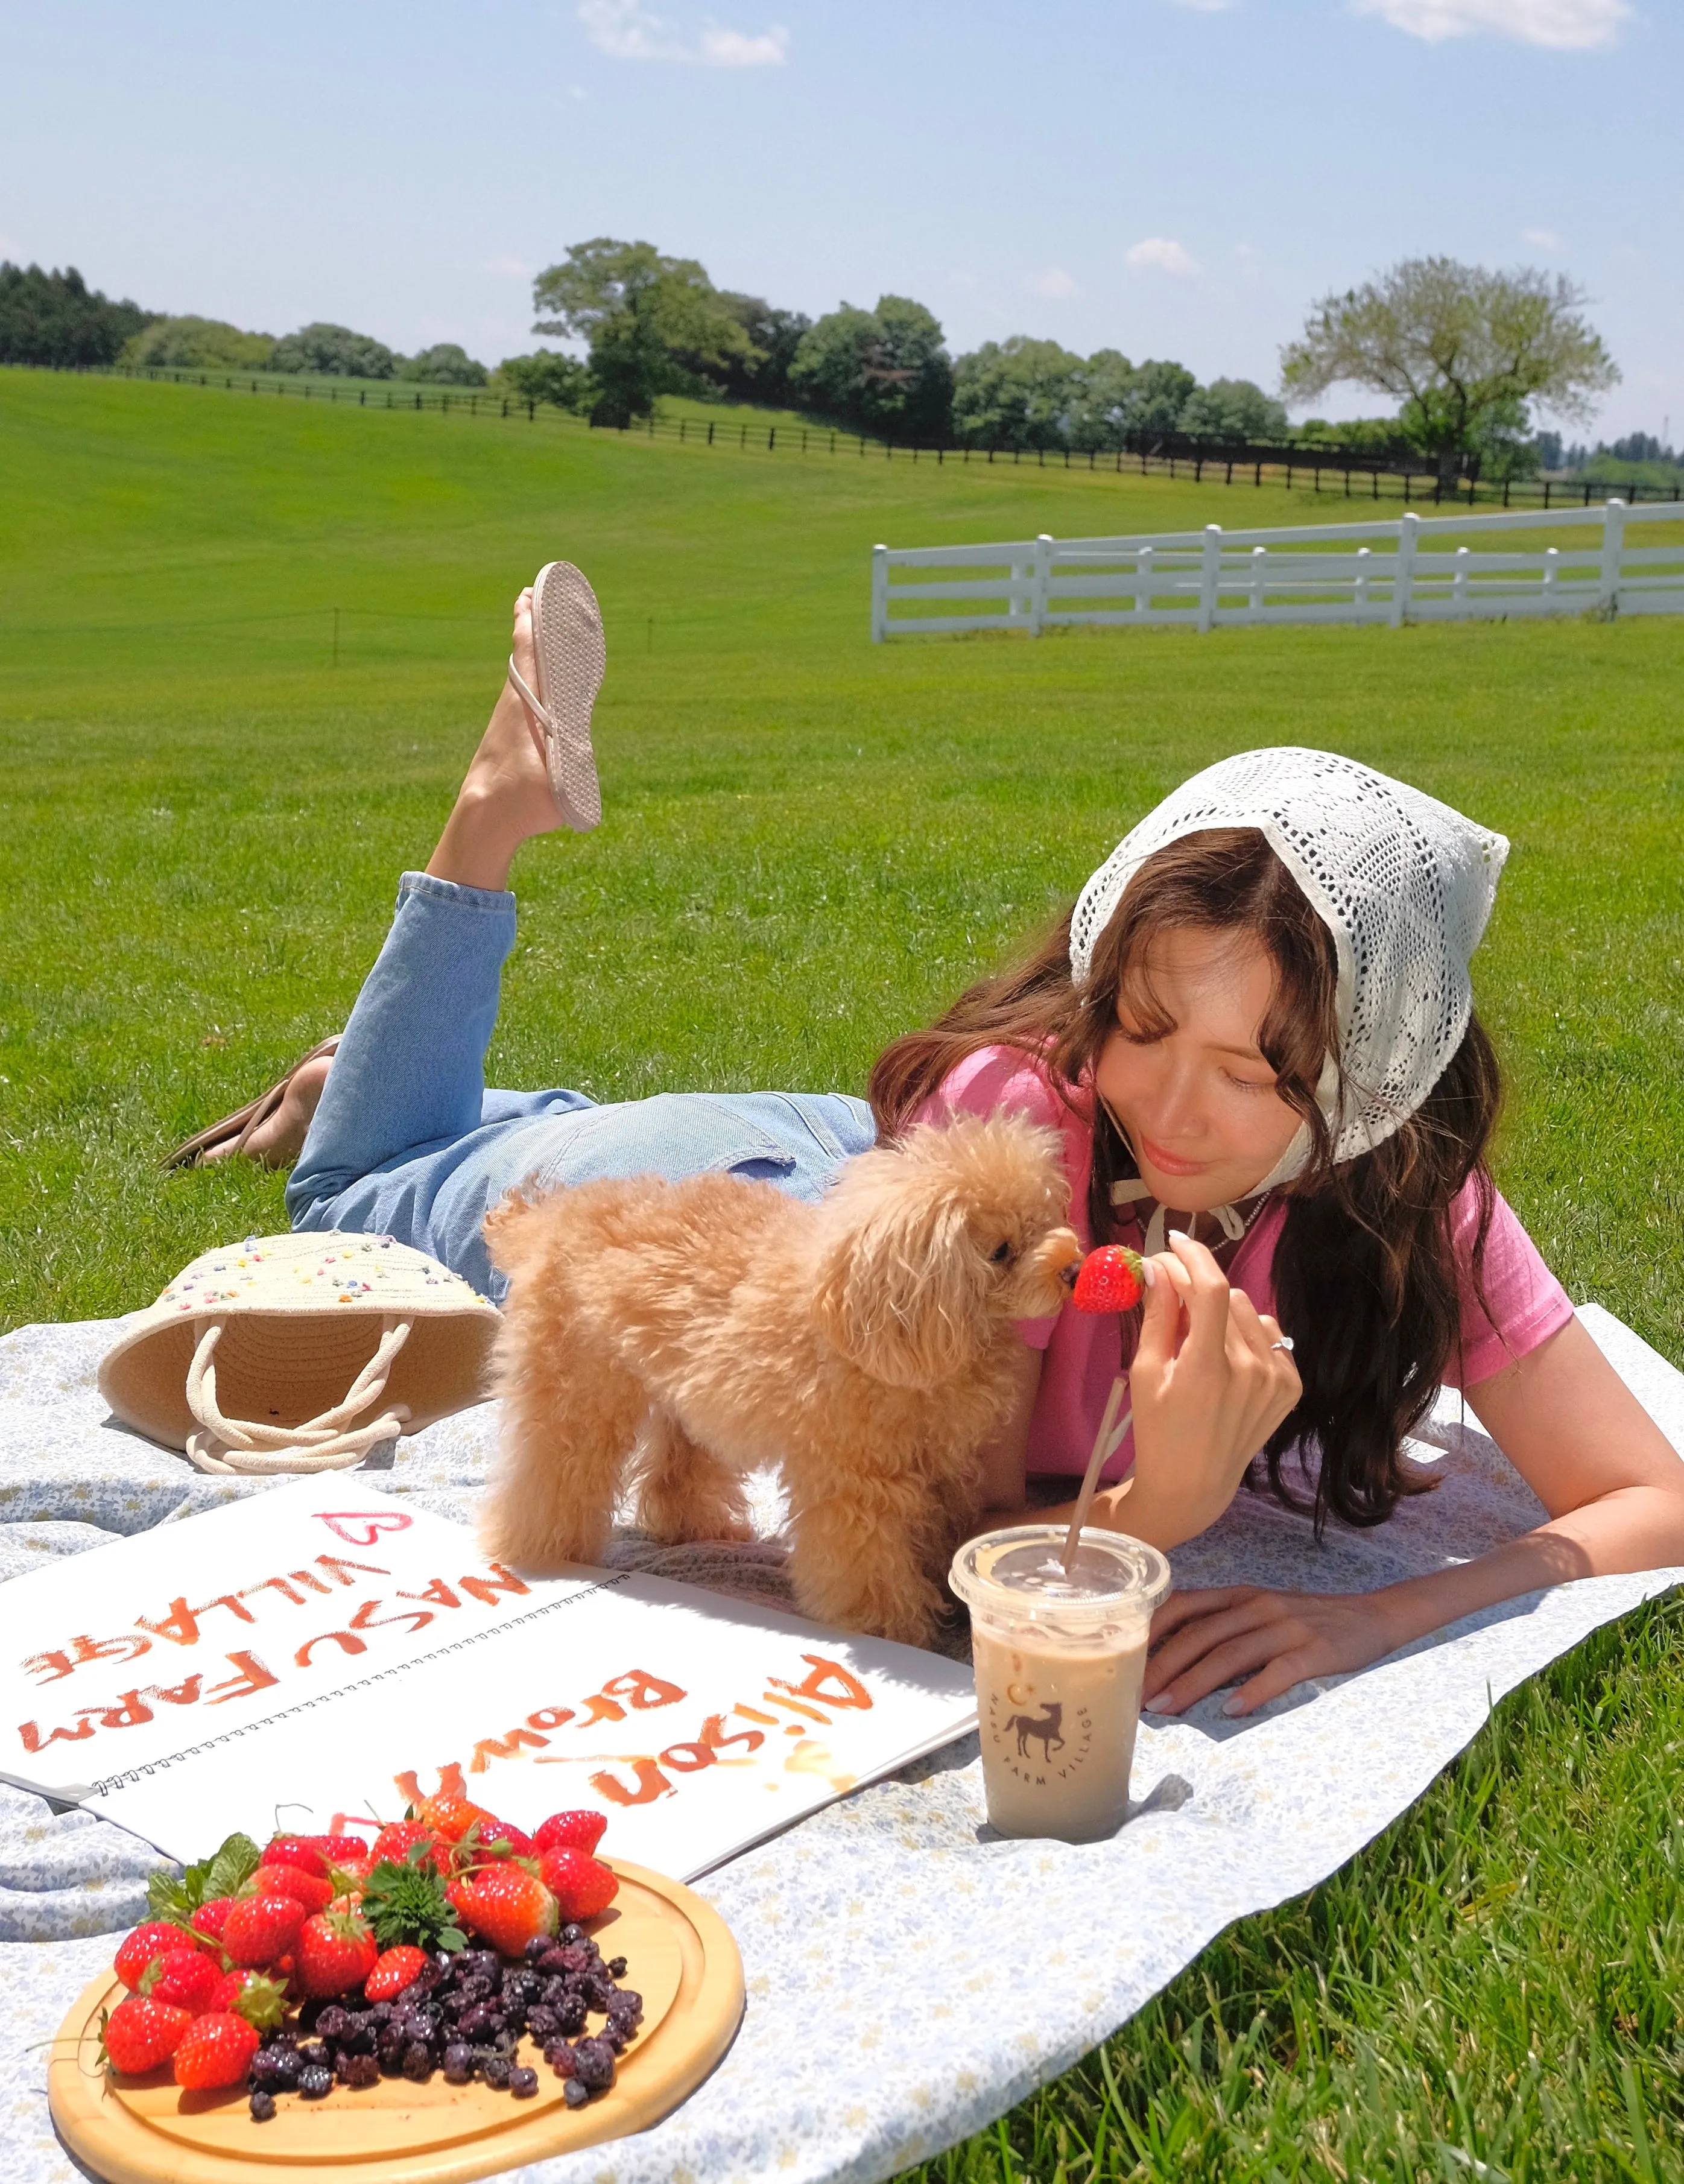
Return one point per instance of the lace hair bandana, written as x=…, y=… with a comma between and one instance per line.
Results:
x=1404, y=884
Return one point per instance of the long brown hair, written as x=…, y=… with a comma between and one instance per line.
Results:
x=1365, y=1272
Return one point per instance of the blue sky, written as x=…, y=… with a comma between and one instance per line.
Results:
x=1168, y=178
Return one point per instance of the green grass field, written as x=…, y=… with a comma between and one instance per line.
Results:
x=810, y=843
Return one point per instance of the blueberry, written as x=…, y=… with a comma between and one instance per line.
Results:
x=331, y=2023
x=616, y=1968
x=263, y=2106
x=595, y=2063
x=315, y=2082
x=359, y=2072
x=536, y=1948
x=522, y=2083
x=575, y=2092
x=418, y=2062
x=559, y=2057
x=314, y=2054
x=459, y=2064
x=570, y=2013
x=494, y=2069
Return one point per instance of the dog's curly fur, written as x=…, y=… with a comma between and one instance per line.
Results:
x=864, y=1344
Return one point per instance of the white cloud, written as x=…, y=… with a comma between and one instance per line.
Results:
x=1541, y=238
x=1565, y=25
x=1158, y=254
x=1054, y=282
x=627, y=30
x=741, y=49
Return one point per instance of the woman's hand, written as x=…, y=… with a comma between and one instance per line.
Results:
x=1209, y=1386
x=1202, y=1641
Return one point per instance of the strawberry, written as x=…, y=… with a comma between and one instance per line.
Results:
x=582, y=1885
x=251, y=1995
x=261, y=1928
x=140, y=2033
x=394, y=1970
x=499, y=1837
x=336, y=1952
x=1111, y=1281
x=313, y=1890
x=215, y=2050
x=183, y=1976
x=302, y=1851
x=151, y=1940
x=450, y=1816
x=569, y=1831
x=211, y=1918
x=396, y=1842
x=507, y=1906
x=340, y=1850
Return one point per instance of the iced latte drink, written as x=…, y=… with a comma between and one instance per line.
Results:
x=1060, y=1656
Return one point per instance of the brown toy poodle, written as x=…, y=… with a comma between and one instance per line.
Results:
x=864, y=1344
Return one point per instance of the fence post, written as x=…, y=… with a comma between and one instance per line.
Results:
x=879, y=593
x=1458, y=582
x=1404, y=574
x=1259, y=563
x=1042, y=577
x=1360, y=591
x=1210, y=569
x=1613, y=545
x=1552, y=572
x=1143, y=561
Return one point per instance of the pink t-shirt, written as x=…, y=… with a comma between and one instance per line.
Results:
x=1527, y=1303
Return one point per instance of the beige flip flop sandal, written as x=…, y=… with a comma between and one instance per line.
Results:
x=572, y=658
x=235, y=1130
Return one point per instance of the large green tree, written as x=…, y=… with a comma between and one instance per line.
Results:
x=1465, y=352
x=56, y=319
x=194, y=344
x=1234, y=409
x=335, y=352
x=887, y=370
x=651, y=324
x=1015, y=393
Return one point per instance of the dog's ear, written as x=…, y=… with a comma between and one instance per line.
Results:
x=512, y=1236
x=899, y=1290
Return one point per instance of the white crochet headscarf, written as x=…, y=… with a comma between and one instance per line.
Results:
x=1404, y=884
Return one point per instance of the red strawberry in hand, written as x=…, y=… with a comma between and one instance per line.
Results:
x=183, y=1976
x=215, y=2050
x=394, y=1970
x=1111, y=1281
x=261, y=1928
x=336, y=1952
x=507, y=1906
x=140, y=2033
x=153, y=1939
x=313, y=1890
x=582, y=1885
x=569, y=1831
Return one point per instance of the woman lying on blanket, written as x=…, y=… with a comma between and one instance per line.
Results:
x=1255, y=1035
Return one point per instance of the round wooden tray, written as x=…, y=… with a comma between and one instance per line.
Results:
x=679, y=1956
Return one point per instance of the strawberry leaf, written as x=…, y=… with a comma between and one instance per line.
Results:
x=176, y=1897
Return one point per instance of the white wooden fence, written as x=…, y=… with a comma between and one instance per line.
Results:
x=1419, y=569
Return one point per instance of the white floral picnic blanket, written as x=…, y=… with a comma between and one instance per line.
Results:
x=882, y=1938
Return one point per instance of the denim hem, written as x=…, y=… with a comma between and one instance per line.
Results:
x=495, y=901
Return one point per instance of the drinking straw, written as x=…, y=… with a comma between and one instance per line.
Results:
x=1106, y=1445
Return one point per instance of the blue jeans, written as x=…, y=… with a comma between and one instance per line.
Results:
x=408, y=1142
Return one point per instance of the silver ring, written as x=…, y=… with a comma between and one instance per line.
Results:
x=1284, y=1343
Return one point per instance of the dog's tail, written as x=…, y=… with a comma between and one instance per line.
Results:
x=511, y=1236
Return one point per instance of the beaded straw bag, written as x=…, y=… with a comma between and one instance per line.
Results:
x=300, y=1353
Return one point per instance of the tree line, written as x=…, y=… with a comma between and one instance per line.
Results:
x=1468, y=356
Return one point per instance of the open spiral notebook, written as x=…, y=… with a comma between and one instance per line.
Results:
x=324, y=1655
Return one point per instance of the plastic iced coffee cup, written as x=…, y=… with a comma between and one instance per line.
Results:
x=1060, y=1656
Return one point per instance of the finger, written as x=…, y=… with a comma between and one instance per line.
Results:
x=1160, y=1324
x=1206, y=1301
x=1242, y=1656
x=1199, y=1642
x=1285, y=1670
x=1186, y=1607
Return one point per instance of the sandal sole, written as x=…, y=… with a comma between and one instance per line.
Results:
x=572, y=658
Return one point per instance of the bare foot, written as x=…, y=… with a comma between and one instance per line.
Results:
x=505, y=797
x=277, y=1141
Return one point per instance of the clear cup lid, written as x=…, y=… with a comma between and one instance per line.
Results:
x=1021, y=1573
